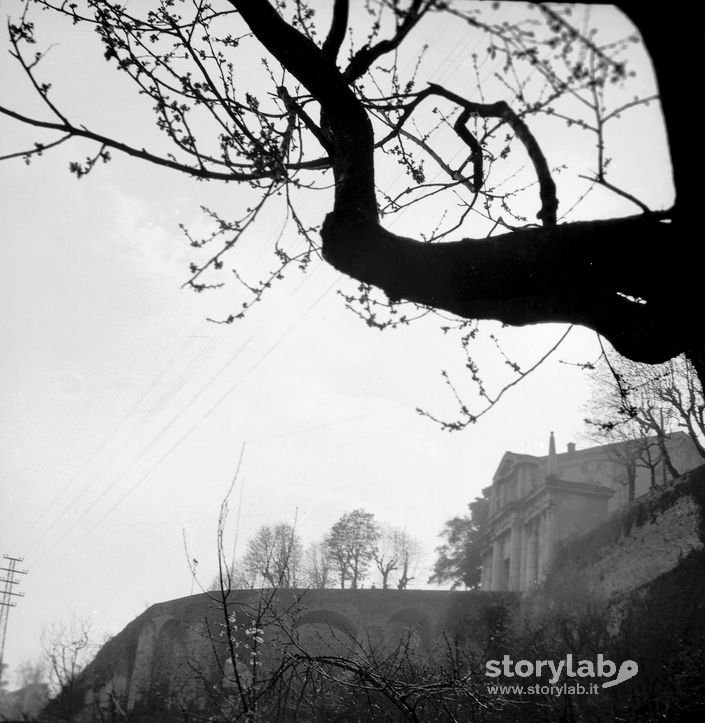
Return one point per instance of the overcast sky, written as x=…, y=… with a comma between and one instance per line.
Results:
x=124, y=411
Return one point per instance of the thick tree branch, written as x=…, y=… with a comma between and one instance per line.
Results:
x=547, y=187
x=336, y=34
x=590, y=273
x=583, y=273
x=363, y=59
x=291, y=105
x=464, y=134
x=353, y=164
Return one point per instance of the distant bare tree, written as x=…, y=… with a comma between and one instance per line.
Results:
x=396, y=551
x=386, y=554
x=68, y=648
x=631, y=448
x=410, y=553
x=351, y=543
x=640, y=406
x=318, y=570
x=239, y=578
x=274, y=556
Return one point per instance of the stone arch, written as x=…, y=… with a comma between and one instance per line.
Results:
x=181, y=661
x=409, y=624
x=326, y=632
x=141, y=674
x=331, y=618
x=167, y=656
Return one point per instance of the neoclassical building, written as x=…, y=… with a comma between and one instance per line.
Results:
x=537, y=502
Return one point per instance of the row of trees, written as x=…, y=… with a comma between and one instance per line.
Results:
x=356, y=550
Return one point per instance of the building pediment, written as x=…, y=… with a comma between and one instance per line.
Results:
x=511, y=461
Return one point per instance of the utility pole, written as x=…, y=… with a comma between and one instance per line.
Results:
x=6, y=602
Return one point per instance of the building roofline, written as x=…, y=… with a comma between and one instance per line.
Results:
x=587, y=452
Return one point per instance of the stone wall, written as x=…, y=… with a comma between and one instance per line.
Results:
x=634, y=589
x=660, y=532
x=166, y=655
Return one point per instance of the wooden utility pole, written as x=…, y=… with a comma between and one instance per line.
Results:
x=7, y=600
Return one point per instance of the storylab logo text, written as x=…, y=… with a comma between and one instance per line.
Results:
x=552, y=671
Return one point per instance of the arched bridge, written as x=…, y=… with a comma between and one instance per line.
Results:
x=174, y=646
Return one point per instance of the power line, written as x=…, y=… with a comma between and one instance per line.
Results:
x=105, y=443
x=183, y=437
x=206, y=385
